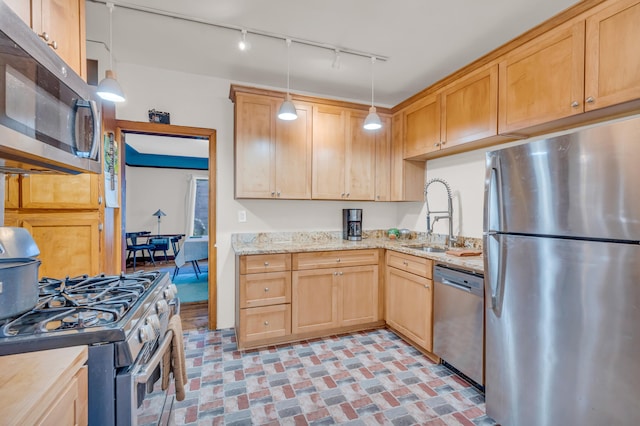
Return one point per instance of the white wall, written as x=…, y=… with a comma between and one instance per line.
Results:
x=194, y=100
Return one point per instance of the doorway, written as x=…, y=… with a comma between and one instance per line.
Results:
x=123, y=127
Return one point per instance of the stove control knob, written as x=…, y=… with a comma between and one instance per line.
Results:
x=146, y=333
x=162, y=307
x=154, y=322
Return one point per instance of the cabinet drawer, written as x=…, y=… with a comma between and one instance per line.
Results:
x=259, y=263
x=265, y=322
x=331, y=259
x=271, y=288
x=413, y=264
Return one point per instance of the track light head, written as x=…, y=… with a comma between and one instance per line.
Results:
x=243, y=44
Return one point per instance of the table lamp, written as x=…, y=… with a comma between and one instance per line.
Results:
x=159, y=213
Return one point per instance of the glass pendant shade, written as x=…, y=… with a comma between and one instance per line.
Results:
x=109, y=89
x=372, y=122
x=287, y=110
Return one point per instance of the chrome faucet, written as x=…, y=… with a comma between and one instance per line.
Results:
x=448, y=214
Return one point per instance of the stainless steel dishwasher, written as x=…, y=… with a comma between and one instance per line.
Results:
x=458, y=314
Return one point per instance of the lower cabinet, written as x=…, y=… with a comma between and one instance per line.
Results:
x=335, y=297
x=409, y=301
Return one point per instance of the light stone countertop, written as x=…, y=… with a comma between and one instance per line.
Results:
x=248, y=244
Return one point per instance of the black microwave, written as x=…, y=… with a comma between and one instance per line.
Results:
x=49, y=116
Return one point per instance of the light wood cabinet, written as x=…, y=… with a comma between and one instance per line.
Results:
x=332, y=259
x=470, y=108
x=11, y=191
x=59, y=23
x=324, y=299
x=422, y=127
x=409, y=303
x=407, y=176
x=543, y=80
x=384, y=157
x=273, y=157
x=263, y=291
x=69, y=243
x=45, y=388
x=612, y=74
x=344, y=155
x=60, y=191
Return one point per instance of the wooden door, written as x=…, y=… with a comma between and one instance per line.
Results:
x=383, y=160
x=359, y=295
x=314, y=300
x=409, y=306
x=612, y=73
x=422, y=127
x=470, y=108
x=543, y=80
x=69, y=243
x=60, y=191
x=254, y=146
x=64, y=21
x=360, y=159
x=293, y=154
x=328, y=181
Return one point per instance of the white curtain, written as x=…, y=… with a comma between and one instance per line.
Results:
x=191, y=201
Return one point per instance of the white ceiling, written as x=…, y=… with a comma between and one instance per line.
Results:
x=425, y=40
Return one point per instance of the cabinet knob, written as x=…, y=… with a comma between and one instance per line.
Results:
x=436, y=145
x=575, y=104
x=266, y=263
x=405, y=263
x=266, y=323
x=335, y=273
x=340, y=273
x=338, y=260
x=266, y=289
x=342, y=195
x=443, y=142
x=53, y=44
x=278, y=194
x=273, y=193
x=426, y=286
x=590, y=100
x=44, y=35
x=348, y=194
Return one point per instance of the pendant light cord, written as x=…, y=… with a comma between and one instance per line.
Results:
x=288, y=41
x=373, y=61
x=110, y=6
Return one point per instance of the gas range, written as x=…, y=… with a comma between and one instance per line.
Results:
x=122, y=318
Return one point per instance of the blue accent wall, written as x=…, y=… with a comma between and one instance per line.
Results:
x=137, y=159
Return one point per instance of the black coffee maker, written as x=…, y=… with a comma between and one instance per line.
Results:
x=352, y=224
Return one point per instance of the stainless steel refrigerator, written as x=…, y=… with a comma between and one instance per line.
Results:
x=562, y=279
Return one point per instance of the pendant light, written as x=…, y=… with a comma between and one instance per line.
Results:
x=372, y=122
x=287, y=109
x=109, y=89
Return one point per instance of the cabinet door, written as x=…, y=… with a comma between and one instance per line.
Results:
x=314, y=300
x=470, y=108
x=328, y=153
x=407, y=177
x=22, y=8
x=383, y=160
x=409, y=306
x=271, y=288
x=64, y=22
x=422, y=127
x=293, y=155
x=11, y=191
x=542, y=80
x=612, y=72
x=360, y=159
x=69, y=243
x=60, y=191
x=359, y=295
x=254, y=147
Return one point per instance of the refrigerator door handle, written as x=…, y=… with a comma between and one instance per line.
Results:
x=493, y=270
x=493, y=221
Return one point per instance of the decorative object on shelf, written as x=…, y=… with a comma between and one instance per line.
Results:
x=159, y=213
x=287, y=109
x=372, y=122
x=109, y=89
x=111, y=170
x=159, y=117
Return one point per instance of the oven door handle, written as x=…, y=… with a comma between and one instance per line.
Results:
x=145, y=374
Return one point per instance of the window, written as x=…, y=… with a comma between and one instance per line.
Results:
x=198, y=207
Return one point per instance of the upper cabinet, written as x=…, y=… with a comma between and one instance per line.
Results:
x=407, y=176
x=273, y=157
x=612, y=59
x=543, y=80
x=60, y=24
x=421, y=125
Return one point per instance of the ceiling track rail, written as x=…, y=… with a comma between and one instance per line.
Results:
x=167, y=14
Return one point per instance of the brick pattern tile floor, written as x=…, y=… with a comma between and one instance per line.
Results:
x=366, y=378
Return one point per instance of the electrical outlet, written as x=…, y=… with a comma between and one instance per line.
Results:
x=242, y=216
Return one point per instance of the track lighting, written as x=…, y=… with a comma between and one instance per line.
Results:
x=336, y=59
x=243, y=44
x=109, y=89
x=287, y=109
x=372, y=122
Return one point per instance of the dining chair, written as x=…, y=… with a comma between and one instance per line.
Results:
x=134, y=246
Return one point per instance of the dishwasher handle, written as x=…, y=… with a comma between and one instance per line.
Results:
x=455, y=285
x=466, y=281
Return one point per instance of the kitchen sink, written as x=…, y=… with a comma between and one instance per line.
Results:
x=429, y=249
